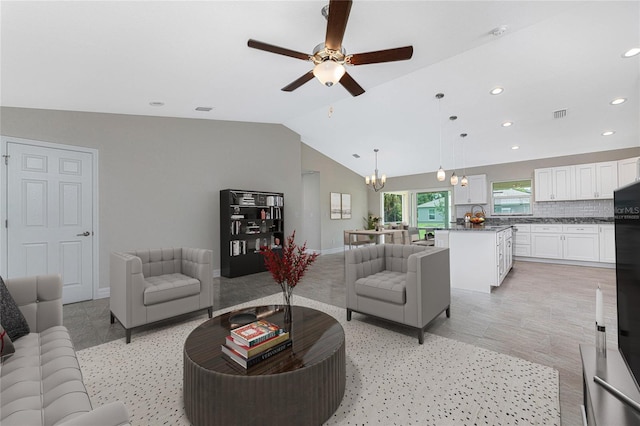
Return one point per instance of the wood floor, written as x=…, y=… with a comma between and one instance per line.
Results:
x=540, y=313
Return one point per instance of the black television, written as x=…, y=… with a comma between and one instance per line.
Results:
x=626, y=203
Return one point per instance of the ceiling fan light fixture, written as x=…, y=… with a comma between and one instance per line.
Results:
x=329, y=72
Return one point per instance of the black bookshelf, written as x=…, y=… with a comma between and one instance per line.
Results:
x=249, y=220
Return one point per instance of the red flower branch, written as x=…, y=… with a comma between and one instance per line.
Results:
x=288, y=265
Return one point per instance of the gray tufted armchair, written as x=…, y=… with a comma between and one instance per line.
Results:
x=155, y=284
x=407, y=284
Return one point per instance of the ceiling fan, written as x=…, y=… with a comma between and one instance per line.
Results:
x=330, y=57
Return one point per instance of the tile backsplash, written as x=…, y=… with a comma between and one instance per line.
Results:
x=556, y=209
x=579, y=208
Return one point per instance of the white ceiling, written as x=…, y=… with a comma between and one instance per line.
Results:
x=117, y=56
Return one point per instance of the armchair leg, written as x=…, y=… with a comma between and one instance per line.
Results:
x=348, y=314
x=128, y=331
x=113, y=318
x=448, y=311
x=210, y=310
x=420, y=336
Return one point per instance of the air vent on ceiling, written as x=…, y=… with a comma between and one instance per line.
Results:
x=561, y=113
x=356, y=155
x=205, y=109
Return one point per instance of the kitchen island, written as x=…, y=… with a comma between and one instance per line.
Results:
x=480, y=256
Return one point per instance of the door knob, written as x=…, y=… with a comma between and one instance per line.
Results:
x=84, y=234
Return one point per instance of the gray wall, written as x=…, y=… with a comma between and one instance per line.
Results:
x=159, y=178
x=508, y=171
x=336, y=178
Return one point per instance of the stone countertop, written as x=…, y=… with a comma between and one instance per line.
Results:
x=513, y=220
x=480, y=228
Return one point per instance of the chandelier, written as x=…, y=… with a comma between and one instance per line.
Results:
x=375, y=182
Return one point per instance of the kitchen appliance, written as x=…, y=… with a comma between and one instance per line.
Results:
x=627, y=235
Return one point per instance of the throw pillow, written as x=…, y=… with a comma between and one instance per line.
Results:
x=10, y=316
x=6, y=345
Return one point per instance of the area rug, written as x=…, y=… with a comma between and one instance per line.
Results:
x=391, y=379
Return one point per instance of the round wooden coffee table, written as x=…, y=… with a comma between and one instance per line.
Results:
x=304, y=384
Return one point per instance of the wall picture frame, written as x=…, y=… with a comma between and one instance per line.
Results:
x=335, y=206
x=345, y=200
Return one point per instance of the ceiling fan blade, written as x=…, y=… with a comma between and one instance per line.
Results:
x=389, y=55
x=350, y=84
x=277, y=49
x=337, y=23
x=299, y=82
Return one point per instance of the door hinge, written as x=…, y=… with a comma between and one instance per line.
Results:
x=6, y=159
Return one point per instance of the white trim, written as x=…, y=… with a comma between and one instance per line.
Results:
x=331, y=250
x=4, y=140
x=216, y=273
x=566, y=262
x=103, y=293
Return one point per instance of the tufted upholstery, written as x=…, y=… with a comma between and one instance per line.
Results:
x=154, y=284
x=41, y=383
x=408, y=284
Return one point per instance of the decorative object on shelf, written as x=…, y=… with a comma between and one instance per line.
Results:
x=346, y=206
x=601, y=335
x=375, y=182
x=287, y=267
x=440, y=175
x=454, y=177
x=464, y=181
x=335, y=206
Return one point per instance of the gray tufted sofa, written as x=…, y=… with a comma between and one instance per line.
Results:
x=407, y=284
x=41, y=383
x=156, y=284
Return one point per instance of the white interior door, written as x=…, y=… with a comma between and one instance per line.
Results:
x=50, y=216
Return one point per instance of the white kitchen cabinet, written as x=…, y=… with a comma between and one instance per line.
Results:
x=570, y=242
x=628, y=171
x=441, y=239
x=596, y=180
x=607, y=243
x=479, y=259
x=554, y=183
x=522, y=240
x=474, y=193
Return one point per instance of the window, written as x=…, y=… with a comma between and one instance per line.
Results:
x=511, y=197
x=393, y=207
x=433, y=210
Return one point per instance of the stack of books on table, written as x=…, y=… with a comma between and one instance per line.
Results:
x=252, y=343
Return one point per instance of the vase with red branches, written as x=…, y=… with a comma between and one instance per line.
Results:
x=287, y=266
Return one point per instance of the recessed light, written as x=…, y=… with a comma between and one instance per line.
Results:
x=618, y=101
x=608, y=133
x=205, y=109
x=496, y=90
x=515, y=147
x=631, y=52
x=156, y=103
x=507, y=124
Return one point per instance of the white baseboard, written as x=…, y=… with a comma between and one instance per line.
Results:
x=332, y=250
x=103, y=293
x=566, y=262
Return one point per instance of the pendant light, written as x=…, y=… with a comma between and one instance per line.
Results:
x=464, y=181
x=440, y=175
x=376, y=182
x=454, y=177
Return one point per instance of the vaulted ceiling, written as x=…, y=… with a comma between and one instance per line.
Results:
x=120, y=57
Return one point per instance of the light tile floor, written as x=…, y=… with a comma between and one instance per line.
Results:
x=540, y=313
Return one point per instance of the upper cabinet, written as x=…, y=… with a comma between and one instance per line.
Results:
x=581, y=182
x=474, y=193
x=596, y=180
x=628, y=171
x=554, y=183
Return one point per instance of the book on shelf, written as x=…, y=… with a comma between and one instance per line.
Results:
x=249, y=362
x=250, y=351
x=255, y=332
